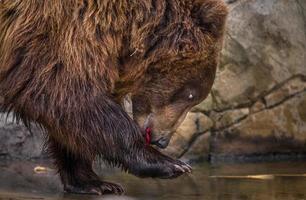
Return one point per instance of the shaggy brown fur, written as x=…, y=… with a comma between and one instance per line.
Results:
x=66, y=65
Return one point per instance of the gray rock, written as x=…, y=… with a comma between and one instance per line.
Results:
x=262, y=73
x=194, y=125
x=280, y=129
x=199, y=150
x=16, y=142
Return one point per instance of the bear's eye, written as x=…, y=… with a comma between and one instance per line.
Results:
x=191, y=96
x=184, y=95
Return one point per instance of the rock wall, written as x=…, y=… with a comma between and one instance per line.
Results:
x=17, y=142
x=258, y=103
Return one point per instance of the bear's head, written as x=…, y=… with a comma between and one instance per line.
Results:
x=163, y=100
x=178, y=56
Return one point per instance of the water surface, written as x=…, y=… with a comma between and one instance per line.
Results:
x=264, y=181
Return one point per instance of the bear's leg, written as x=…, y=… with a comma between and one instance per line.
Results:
x=76, y=172
x=100, y=127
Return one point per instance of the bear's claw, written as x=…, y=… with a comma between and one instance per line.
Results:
x=187, y=168
x=178, y=168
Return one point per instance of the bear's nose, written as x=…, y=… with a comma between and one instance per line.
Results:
x=162, y=142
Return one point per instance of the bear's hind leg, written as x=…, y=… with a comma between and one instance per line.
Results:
x=76, y=172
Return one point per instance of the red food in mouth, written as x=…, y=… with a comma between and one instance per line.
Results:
x=148, y=136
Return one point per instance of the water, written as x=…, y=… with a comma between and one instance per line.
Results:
x=265, y=181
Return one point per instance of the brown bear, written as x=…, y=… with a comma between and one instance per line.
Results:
x=67, y=65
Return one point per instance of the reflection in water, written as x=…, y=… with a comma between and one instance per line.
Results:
x=268, y=181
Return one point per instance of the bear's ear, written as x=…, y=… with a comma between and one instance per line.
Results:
x=210, y=16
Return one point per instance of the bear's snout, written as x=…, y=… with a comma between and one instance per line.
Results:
x=161, y=142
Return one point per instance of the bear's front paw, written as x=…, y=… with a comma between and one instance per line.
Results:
x=176, y=168
x=166, y=169
x=170, y=171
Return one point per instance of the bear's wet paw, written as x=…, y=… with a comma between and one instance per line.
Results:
x=175, y=169
x=165, y=170
x=180, y=167
x=97, y=188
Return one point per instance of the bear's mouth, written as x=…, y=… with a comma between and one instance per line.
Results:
x=148, y=135
x=162, y=143
x=127, y=105
x=147, y=127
